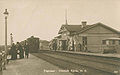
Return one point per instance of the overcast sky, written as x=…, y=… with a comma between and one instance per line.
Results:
x=43, y=18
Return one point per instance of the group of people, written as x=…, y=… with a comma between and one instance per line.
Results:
x=20, y=50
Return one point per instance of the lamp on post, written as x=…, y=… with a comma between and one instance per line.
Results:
x=6, y=15
x=5, y=52
x=11, y=38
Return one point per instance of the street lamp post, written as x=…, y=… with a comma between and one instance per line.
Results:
x=5, y=52
x=6, y=14
x=11, y=38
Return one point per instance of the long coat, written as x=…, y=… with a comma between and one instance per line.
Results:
x=13, y=52
x=21, y=51
x=26, y=48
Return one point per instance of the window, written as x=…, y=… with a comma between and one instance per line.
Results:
x=113, y=42
x=84, y=39
x=119, y=42
x=103, y=42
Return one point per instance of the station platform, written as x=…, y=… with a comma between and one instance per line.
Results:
x=114, y=55
x=32, y=66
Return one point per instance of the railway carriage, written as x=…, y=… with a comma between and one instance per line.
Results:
x=33, y=43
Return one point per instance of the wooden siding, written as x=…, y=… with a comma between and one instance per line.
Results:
x=94, y=38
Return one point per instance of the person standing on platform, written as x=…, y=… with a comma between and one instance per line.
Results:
x=13, y=52
x=26, y=49
x=21, y=51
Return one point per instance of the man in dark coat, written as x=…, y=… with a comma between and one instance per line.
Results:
x=26, y=48
x=13, y=52
x=21, y=51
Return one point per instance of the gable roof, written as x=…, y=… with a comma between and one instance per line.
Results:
x=80, y=29
x=74, y=28
x=71, y=28
x=98, y=24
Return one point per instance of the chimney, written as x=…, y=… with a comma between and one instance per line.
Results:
x=84, y=23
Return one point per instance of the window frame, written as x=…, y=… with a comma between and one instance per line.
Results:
x=104, y=42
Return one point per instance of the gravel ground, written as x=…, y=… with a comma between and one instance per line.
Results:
x=32, y=66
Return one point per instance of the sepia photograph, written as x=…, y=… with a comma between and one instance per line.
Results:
x=59, y=37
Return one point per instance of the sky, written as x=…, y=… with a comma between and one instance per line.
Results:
x=43, y=18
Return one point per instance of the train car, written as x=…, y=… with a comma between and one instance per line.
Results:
x=112, y=45
x=33, y=43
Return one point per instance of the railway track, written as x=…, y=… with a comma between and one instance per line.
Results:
x=75, y=62
x=107, y=60
x=92, y=64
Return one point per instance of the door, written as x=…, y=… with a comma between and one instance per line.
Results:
x=64, y=45
x=84, y=43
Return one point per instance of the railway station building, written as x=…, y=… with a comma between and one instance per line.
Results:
x=85, y=38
